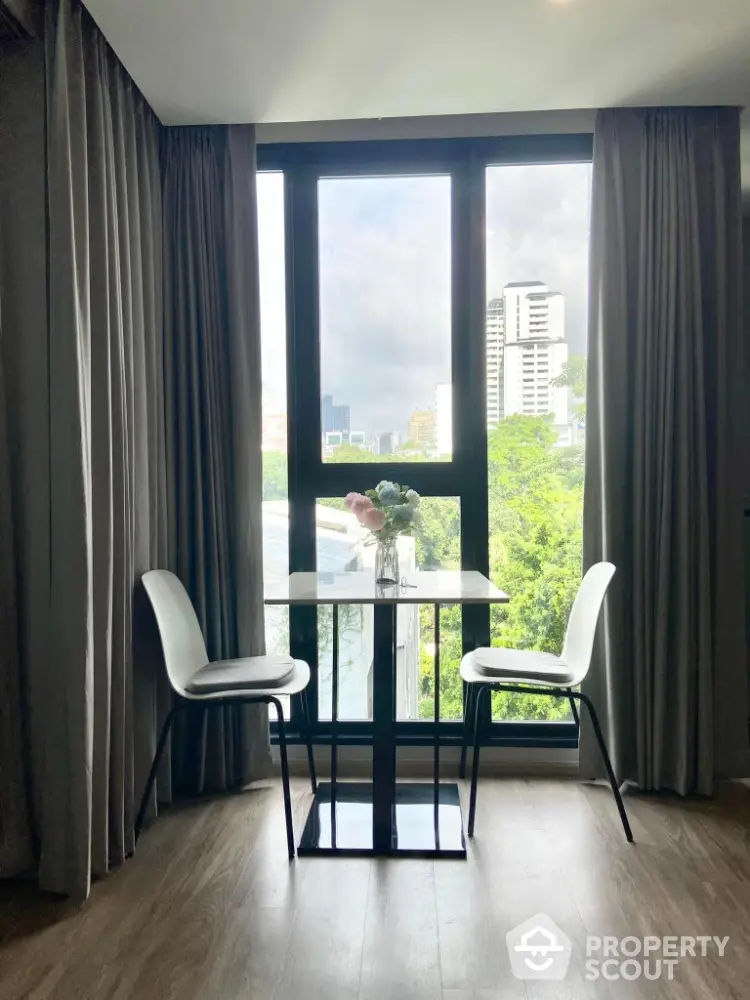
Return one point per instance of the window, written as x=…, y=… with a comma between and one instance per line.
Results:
x=272, y=277
x=384, y=246
x=394, y=342
x=342, y=544
x=537, y=231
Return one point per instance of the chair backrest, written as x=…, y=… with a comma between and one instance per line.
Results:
x=181, y=636
x=579, y=636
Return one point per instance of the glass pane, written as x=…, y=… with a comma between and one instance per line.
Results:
x=537, y=289
x=342, y=544
x=385, y=318
x=273, y=362
x=439, y=547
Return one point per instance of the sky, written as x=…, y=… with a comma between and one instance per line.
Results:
x=384, y=259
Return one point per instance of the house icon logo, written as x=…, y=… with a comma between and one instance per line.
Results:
x=538, y=949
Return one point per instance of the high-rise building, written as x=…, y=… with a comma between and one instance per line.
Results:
x=333, y=417
x=336, y=439
x=422, y=428
x=444, y=418
x=495, y=368
x=386, y=442
x=535, y=350
x=525, y=350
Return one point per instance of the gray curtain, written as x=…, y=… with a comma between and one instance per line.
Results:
x=95, y=486
x=24, y=509
x=213, y=382
x=745, y=418
x=16, y=845
x=106, y=446
x=663, y=495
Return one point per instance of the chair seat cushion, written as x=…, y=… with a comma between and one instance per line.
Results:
x=520, y=665
x=247, y=674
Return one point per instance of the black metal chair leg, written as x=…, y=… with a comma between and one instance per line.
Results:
x=285, y=778
x=608, y=765
x=308, y=741
x=475, y=762
x=573, y=708
x=152, y=773
x=467, y=730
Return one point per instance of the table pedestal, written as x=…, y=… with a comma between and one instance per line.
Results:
x=385, y=817
x=425, y=821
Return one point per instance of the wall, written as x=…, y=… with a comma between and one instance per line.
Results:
x=430, y=127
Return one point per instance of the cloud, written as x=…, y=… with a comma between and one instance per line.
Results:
x=538, y=229
x=384, y=258
x=385, y=308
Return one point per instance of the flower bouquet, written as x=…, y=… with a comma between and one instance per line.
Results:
x=387, y=511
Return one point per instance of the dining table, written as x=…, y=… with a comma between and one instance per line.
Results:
x=385, y=816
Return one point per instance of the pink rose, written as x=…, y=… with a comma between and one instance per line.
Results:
x=360, y=505
x=372, y=518
x=351, y=498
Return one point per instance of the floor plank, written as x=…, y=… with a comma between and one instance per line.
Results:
x=211, y=909
x=400, y=959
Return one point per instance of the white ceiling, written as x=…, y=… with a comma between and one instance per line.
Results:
x=269, y=61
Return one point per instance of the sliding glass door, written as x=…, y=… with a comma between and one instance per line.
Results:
x=424, y=284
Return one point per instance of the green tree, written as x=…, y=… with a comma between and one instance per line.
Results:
x=275, y=485
x=535, y=508
x=573, y=377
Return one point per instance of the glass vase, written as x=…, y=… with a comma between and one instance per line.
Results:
x=386, y=561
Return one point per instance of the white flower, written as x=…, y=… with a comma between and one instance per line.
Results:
x=413, y=498
x=417, y=519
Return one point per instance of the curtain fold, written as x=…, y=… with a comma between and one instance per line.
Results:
x=16, y=844
x=106, y=428
x=23, y=435
x=663, y=494
x=213, y=386
x=133, y=443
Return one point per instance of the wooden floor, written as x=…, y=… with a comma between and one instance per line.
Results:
x=211, y=909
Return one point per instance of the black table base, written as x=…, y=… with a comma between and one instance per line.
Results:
x=425, y=822
x=385, y=818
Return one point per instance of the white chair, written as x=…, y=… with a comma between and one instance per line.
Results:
x=527, y=671
x=252, y=679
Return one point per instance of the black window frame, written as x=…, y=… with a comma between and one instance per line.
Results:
x=466, y=475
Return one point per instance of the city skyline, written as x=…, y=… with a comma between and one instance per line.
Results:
x=525, y=351
x=521, y=363
x=385, y=296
